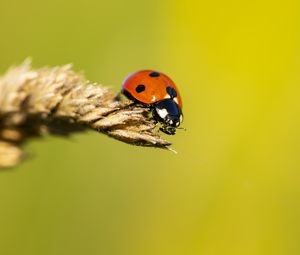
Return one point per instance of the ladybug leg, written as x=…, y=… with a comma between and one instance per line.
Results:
x=118, y=97
x=168, y=130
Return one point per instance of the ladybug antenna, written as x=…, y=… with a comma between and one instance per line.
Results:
x=181, y=128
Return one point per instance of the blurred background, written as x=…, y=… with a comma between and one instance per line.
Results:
x=233, y=187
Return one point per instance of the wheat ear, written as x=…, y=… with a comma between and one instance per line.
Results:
x=60, y=101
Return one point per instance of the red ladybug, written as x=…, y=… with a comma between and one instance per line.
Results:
x=157, y=91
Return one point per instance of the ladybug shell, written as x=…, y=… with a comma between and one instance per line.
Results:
x=150, y=87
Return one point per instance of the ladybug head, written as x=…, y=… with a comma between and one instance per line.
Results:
x=169, y=114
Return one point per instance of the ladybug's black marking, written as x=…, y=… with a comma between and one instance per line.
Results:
x=154, y=74
x=171, y=91
x=140, y=88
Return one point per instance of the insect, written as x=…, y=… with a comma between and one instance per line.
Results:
x=158, y=92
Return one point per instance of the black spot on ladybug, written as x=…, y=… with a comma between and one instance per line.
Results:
x=154, y=74
x=171, y=91
x=140, y=88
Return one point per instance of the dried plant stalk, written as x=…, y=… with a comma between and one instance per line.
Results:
x=60, y=101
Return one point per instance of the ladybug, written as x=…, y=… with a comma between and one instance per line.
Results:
x=158, y=92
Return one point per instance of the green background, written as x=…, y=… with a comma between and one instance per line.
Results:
x=233, y=187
